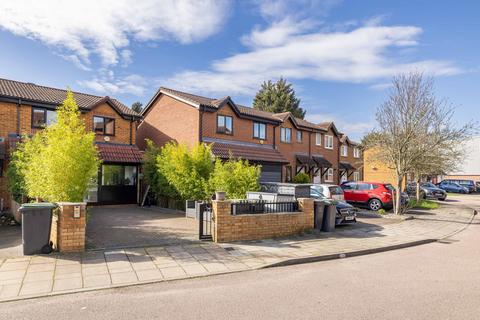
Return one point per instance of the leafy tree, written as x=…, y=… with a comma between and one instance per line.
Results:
x=412, y=126
x=188, y=171
x=278, y=97
x=157, y=181
x=137, y=107
x=301, y=178
x=235, y=177
x=59, y=162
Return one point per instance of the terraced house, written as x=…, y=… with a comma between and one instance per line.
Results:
x=26, y=108
x=282, y=144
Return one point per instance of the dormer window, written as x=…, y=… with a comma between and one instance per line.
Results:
x=104, y=126
x=42, y=117
x=224, y=124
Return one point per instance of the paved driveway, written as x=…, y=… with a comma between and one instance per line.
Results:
x=133, y=226
x=11, y=241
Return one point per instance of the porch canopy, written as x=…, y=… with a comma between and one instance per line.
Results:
x=346, y=166
x=305, y=160
x=321, y=162
x=250, y=153
x=119, y=153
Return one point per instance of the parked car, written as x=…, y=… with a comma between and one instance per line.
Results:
x=477, y=185
x=374, y=195
x=427, y=191
x=469, y=184
x=330, y=191
x=452, y=187
x=346, y=213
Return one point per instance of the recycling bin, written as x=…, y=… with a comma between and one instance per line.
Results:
x=330, y=212
x=36, y=227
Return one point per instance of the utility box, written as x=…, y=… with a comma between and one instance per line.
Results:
x=36, y=227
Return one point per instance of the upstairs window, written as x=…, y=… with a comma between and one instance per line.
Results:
x=299, y=136
x=344, y=151
x=356, y=152
x=103, y=125
x=259, y=131
x=224, y=124
x=328, y=142
x=42, y=117
x=286, y=135
x=318, y=139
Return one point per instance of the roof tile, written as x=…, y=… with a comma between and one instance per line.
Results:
x=119, y=153
x=226, y=150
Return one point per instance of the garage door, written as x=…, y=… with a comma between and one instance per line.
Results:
x=271, y=173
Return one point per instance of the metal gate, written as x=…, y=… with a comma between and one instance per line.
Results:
x=205, y=222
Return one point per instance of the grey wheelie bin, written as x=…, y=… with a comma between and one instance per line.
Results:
x=330, y=212
x=36, y=226
x=318, y=211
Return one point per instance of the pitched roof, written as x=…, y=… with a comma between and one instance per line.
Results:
x=34, y=93
x=243, y=110
x=227, y=150
x=119, y=153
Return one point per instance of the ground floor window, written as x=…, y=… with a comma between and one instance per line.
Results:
x=329, y=175
x=356, y=176
x=343, y=178
x=118, y=175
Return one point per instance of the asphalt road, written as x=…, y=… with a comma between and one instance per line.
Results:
x=435, y=281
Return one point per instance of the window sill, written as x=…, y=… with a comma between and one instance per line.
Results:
x=286, y=142
x=329, y=148
x=225, y=133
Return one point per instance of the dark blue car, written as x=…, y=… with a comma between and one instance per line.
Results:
x=452, y=187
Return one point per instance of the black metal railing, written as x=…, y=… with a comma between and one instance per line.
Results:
x=259, y=207
x=206, y=222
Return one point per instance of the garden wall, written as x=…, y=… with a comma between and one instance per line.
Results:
x=228, y=227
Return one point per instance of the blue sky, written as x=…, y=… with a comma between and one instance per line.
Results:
x=340, y=55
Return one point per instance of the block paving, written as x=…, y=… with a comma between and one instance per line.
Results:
x=34, y=276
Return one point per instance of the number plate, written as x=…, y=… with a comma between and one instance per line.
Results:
x=349, y=217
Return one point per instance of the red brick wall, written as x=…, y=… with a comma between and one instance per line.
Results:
x=329, y=154
x=8, y=125
x=242, y=128
x=169, y=119
x=356, y=162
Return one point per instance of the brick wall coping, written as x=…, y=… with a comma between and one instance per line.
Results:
x=71, y=203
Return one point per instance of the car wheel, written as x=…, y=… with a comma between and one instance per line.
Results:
x=375, y=204
x=442, y=199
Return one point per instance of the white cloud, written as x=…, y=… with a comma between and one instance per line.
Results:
x=355, y=130
x=361, y=55
x=107, y=27
x=109, y=84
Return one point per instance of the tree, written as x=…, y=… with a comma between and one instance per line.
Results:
x=59, y=162
x=137, y=107
x=278, y=97
x=157, y=181
x=414, y=127
x=188, y=171
x=235, y=177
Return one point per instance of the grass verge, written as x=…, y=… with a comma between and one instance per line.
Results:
x=423, y=204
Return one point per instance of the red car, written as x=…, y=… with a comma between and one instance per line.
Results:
x=373, y=194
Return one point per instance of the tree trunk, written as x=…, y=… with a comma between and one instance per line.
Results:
x=398, y=191
x=417, y=185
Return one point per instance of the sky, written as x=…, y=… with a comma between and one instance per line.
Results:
x=340, y=56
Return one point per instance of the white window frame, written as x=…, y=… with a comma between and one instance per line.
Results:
x=344, y=150
x=329, y=175
x=356, y=176
x=356, y=152
x=328, y=142
x=299, y=134
x=283, y=135
x=318, y=139
x=259, y=130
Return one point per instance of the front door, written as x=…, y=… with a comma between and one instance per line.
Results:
x=118, y=184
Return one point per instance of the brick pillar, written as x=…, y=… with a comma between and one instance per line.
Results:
x=307, y=206
x=71, y=225
x=222, y=217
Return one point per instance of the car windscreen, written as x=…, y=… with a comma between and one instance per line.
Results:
x=335, y=190
x=428, y=185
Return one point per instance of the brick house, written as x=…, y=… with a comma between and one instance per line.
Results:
x=26, y=108
x=282, y=144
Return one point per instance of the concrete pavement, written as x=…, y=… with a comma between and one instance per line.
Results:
x=55, y=274
x=435, y=281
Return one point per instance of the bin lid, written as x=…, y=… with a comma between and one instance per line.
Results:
x=38, y=205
